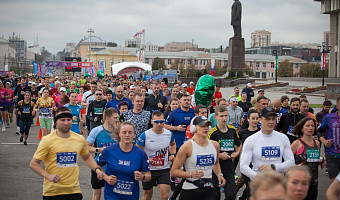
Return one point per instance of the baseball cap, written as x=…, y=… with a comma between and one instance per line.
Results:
x=29, y=82
x=62, y=89
x=249, y=84
x=8, y=83
x=132, y=86
x=268, y=111
x=191, y=82
x=56, y=77
x=260, y=91
x=33, y=83
x=200, y=121
x=233, y=99
x=184, y=85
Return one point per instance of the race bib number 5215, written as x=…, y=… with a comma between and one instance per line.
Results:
x=205, y=161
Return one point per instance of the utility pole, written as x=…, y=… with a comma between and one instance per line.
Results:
x=90, y=31
x=276, y=63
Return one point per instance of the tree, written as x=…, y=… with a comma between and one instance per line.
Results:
x=158, y=63
x=231, y=73
x=174, y=65
x=111, y=44
x=285, y=69
x=312, y=70
x=249, y=71
x=239, y=74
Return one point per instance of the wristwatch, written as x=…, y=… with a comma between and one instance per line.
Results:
x=97, y=150
x=273, y=166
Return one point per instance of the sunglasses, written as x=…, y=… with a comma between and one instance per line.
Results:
x=99, y=94
x=158, y=121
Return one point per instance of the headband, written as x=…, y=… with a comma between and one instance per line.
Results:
x=63, y=115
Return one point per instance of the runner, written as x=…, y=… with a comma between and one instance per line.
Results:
x=9, y=103
x=200, y=158
x=289, y=120
x=155, y=101
x=126, y=166
x=268, y=185
x=160, y=147
x=100, y=138
x=219, y=102
x=200, y=110
x=60, y=151
x=297, y=183
x=89, y=97
x=119, y=91
x=230, y=148
x=82, y=120
x=235, y=113
x=26, y=112
x=75, y=110
x=96, y=109
x=307, y=152
x=3, y=95
x=139, y=117
x=332, y=141
x=45, y=106
x=266, y=148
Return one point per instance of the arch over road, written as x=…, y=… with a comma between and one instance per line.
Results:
x=129, y=67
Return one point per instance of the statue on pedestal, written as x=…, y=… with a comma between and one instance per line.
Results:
x=236, y=12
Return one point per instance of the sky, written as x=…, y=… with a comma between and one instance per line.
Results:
x=164, y=21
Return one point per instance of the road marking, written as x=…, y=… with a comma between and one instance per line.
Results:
x=18, y=143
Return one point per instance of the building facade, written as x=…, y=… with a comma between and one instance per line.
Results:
x=21, y=50
x=332, y=8
x=7, y=54
x=180, y=46
x=135, y=42
x=260, y=38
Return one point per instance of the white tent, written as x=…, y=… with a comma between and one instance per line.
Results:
x=134, y=66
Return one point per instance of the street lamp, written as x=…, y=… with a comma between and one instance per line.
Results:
x=276, y=63
x=90, y=31
x=324, y=50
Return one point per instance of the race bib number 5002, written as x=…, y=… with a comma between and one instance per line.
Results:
x=67, y=159
x=270, y=153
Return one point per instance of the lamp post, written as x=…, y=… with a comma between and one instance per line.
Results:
x=276, y=63
x=90, y=31
x=324, y=50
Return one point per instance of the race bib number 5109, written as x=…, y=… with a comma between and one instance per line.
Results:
x=67, y=159
x=270, y=153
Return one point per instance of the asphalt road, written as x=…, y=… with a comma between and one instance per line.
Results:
x=18, y=181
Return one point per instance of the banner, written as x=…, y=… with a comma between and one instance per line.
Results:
x=323, y=61
x=212, y=68
x=101, y=67
x=140, y=56
x=39, y=69
x=67, y=64
x=5, y=73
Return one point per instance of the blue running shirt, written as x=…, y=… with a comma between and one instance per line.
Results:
x=123, y=164
x=75, y=110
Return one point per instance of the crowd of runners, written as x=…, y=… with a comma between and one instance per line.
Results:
x=135, y=130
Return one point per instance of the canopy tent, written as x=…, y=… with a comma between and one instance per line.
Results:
x=129, y=67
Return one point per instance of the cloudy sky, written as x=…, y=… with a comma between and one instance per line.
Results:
x=206, y=22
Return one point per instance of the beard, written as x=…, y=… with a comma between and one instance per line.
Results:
x=64, y=129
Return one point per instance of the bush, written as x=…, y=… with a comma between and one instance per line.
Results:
x=231, y=73
x=239, y=74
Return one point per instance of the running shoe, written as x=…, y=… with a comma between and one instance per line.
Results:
x=7, y=126
x=3, y=128
x=21, y=138
x=25, y=142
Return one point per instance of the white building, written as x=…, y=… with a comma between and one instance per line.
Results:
x=7, y=54
x=260, y=38
x=135, y=42
x=150, y=47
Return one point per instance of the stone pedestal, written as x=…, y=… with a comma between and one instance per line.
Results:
x=236, y=54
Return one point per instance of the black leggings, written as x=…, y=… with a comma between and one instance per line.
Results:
x=198, y=194
x=230, y=189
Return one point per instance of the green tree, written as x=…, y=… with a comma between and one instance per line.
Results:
x=239, y=74
x=182, y=70
x=111, y=44
x=231, y=73
x=249, y=71
x=312, y=70
x=158, y=63
x=174, y=65
x=285, y=69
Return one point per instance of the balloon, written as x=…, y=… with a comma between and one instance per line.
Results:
x=205, y=90
x=100, y=74
x=87, y=75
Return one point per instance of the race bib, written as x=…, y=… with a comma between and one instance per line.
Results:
x=313, y=155
x=44, y=110
x=75, y=120
x=157, y=163
x=289, y=131
x=98, y=111
x=155, y=110
x=227, y=145
x=107, y=144
x=26, y=110
x=67, y=159
x=123, y=187
x=245, y=114
x=271, y=153
x=205, y=161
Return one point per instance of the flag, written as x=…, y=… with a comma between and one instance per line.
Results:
x=35, y=67
x=39, y=69
x=140, y=56
x=139, y=33
x=323, y=61
x=212, y=68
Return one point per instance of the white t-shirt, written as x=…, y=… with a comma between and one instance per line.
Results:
x=156, y=146
x=261, y=148
x=88, y=97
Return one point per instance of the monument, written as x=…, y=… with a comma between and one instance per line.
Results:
x=236, y=43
